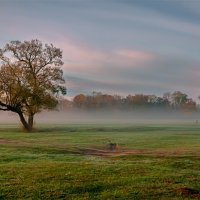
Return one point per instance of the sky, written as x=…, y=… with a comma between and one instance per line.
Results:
x=114, y=46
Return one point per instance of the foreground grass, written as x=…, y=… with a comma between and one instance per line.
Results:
x=51, y=163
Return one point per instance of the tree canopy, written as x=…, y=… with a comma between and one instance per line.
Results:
x=30, y=79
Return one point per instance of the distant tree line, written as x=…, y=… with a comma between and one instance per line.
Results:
x=176, y=101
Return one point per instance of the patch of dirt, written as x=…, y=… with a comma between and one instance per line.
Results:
x=101, y=152
x=112, y=149
x=108, y=152
x=3, y=141
x=120, y=151
x=125, y=152
x=188, y=192
x=22, y=143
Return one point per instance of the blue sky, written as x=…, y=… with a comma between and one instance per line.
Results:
x=114, y=46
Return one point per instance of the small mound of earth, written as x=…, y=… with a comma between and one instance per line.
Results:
x=188, y=192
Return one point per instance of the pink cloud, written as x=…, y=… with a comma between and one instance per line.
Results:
x=80, y=56
x=134, y=55
x=81, y=59
x=80, y=52
x=77, y=52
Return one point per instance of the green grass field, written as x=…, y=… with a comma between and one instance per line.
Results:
x=74, y=162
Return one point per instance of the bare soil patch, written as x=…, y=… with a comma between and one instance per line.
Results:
x=188, y=192
x=111, y=150
x=3, y=141
x=125, y=152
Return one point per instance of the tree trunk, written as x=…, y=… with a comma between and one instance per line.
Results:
x=30, y=121
x=26, y=125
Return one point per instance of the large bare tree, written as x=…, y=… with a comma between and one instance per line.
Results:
x=30, y=79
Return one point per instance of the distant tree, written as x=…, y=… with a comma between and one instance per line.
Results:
x=103, y=100
x=189, y=106
x=178, y=99
x=167, y=96
x=158, y=102
x=152, y=99
x=64, y=104
x=136, y=100
x=80, y=101
x=31, y=79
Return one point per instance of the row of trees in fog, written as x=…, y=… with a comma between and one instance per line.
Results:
x=97, y=100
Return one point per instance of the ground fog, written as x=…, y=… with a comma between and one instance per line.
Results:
x=105, y=116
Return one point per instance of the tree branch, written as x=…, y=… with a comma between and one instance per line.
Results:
x=5, y=107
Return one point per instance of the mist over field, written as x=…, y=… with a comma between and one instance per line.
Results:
x=8, y=117
x=116, y=116
x=105, y=117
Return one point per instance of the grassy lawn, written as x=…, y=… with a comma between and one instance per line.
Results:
x=74, y=162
